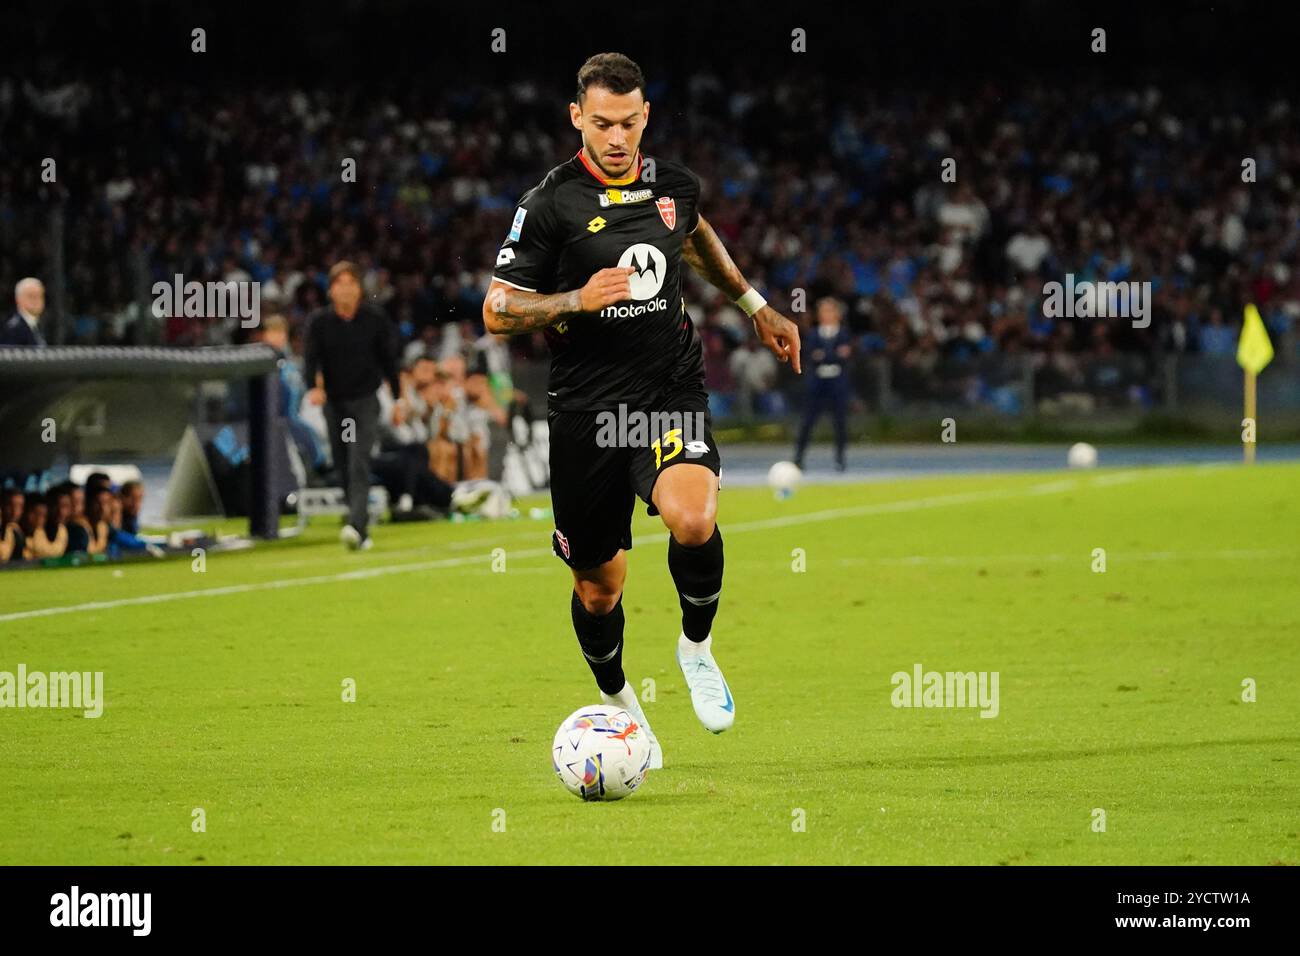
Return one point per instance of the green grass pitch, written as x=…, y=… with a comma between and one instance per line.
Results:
x=1119, y=691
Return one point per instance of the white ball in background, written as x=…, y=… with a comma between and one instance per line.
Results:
x=1082, y=455
x=783, y=478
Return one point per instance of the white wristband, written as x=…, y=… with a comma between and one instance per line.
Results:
x=751, y=302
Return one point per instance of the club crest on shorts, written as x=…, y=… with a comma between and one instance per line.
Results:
x=563, y=542
x=667, y=211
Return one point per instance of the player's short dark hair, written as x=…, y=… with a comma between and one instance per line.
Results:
x=611, y=71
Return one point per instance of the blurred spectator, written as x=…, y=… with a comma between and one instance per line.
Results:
x=425, y=345
x=80, y=532
x=1216, y=337
x=23, y=327
x=46, y=537
x=119, y=538
x=99, y=504
x=132, y=498
x=13, y=541
x=54, y=535
x=38, y=546
x=402, y=462
x=753, y=370
x=275, y=333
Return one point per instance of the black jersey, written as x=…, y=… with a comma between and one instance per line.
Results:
x=575, y=223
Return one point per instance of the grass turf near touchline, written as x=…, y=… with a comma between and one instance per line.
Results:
x=1118, y=690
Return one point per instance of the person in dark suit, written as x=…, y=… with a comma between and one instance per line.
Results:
x=23, y=327
x=829, y=349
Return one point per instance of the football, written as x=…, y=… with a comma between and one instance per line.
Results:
x=600, y=753
x=783, y=478
x=1082, y=455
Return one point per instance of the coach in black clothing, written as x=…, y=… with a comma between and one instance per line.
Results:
x=351, y=351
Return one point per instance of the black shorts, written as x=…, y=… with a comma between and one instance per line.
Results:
x=601, y=462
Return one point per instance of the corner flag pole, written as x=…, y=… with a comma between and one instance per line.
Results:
x=1249, y=447
x=1254, y=351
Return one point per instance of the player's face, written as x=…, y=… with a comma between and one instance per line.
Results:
x=611, y=125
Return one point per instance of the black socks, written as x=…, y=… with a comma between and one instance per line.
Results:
x=601, y=640
x=697, y=572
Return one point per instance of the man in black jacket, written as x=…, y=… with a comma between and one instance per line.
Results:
x=351, y=352
x=23, y=327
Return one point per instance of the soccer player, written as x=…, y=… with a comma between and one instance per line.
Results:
x=594, y=257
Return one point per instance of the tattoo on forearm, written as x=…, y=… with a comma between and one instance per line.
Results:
x=517, y=311
x=705, y=253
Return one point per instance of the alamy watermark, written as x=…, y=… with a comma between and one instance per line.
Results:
x=1098, y=300
x=923, y=688
x=130, y=910
x=213, y=300
x=80, y=690
x=669, y=433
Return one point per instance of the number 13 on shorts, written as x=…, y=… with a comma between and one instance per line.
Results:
x=672, y=439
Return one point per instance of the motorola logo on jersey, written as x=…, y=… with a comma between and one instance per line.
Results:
x=650, y=265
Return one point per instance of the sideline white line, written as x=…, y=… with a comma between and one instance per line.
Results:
x=361, y=574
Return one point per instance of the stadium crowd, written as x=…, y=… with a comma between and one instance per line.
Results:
x=831, y=189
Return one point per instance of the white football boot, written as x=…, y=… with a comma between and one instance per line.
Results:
x=710, y=694
x=627, y=699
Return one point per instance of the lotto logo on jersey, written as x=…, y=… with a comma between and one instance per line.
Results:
x=667, y=212
x=562, y=543
x=624, y=197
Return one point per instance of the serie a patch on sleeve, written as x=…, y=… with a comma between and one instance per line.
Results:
x=517, y=227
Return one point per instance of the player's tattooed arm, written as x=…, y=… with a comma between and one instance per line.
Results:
x=510, y=311
x=706, y=254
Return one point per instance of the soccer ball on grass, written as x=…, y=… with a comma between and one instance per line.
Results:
x=783, y=478
x=601, y=753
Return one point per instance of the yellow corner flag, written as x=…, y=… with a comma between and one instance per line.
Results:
x=1254, y=350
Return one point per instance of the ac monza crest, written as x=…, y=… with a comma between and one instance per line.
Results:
x=667, y=211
